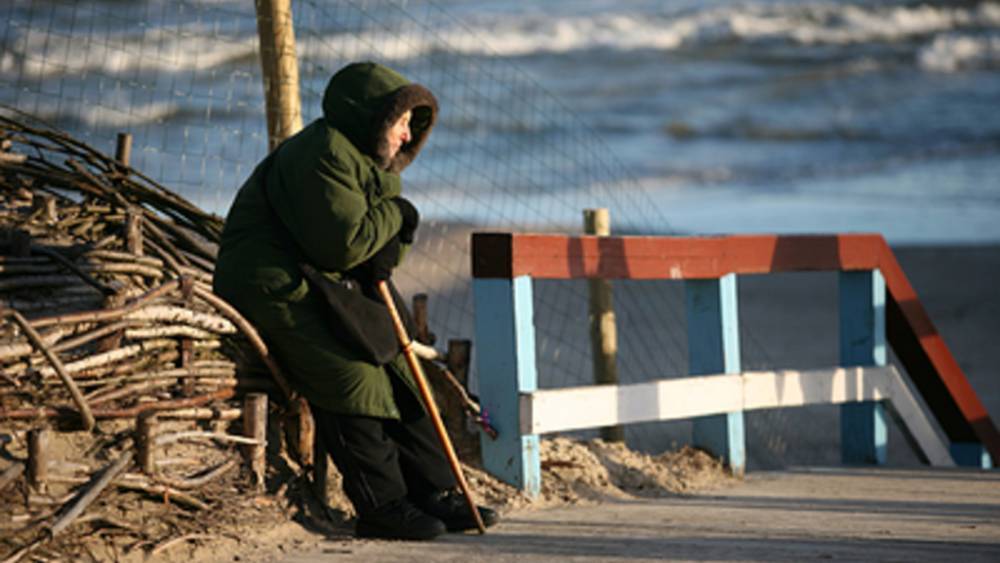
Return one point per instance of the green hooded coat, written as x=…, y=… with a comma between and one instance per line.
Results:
x=327, y=204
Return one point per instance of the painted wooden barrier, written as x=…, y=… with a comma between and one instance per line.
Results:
x=877, y=301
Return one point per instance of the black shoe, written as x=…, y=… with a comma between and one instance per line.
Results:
x=399, y=520
x=452, y=509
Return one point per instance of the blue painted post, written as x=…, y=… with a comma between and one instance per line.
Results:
x=714, y=347
x=971, y=454
x=505, y=362
x=863, y=429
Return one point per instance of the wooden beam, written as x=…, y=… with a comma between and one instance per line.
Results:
x=930, y=364
x=557, y=410
x=506, y=255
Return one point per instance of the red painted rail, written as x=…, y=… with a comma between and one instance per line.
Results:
x=909, y=330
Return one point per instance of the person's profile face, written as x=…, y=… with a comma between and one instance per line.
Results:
x=399, y=134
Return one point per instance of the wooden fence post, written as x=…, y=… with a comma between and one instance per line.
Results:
x=603, y=333
x=714, y=347
x=280, y=69
x=863, y=429
x=123, y=148
x=146, y=442
x=38, y=458
x=255, y=426
x=506, y=367
x=423, y=334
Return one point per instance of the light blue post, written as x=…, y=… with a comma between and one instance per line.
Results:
x=863, y=430
x=505, y=362
x=714, y=347
x=971, y=454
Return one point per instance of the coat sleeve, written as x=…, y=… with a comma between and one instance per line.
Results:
x=337, y=222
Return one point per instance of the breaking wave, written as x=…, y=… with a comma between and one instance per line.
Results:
x=198, y=48
x=951, y=53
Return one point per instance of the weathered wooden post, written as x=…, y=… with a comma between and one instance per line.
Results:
x=146, y=442
x=714, y=347
x=123, y=148
x=863, y=426
x=255, y=427
x=423, y=334
x=38, y=458
x=603, y=331
x=45, y=206
x=466, y=436
x=280, y=69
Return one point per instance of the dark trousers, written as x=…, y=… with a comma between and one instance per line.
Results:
x=383, y=460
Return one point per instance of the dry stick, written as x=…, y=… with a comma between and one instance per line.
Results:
x=92, y=492
x=112, y=356
x=73, y=268
x=203, y=414
x=165, y=242
x=108, y=314
x=432, y=410
x=49, y=412
x=38, y=459
x=195, y=482
x=178, y=373
x=165, y=439
x=255, y=427
x=140, y=483
x=86, y=337
x=17, y=350
x=170, y=261
x=145, y=437
x=251, y=333
x=126, y=257
x=206, y=250
x=74, y=391
x=11, y=474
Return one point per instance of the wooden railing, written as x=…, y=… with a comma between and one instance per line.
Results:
x=876, y=301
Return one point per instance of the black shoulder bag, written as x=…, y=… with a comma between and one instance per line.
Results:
x=355, y=313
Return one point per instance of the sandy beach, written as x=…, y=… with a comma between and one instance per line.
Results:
x=787, y=321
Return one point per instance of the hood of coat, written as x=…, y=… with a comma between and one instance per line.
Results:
x=363, y=100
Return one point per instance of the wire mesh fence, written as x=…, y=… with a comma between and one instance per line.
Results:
x=184, y=79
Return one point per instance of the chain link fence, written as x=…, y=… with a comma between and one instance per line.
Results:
x=183, y=77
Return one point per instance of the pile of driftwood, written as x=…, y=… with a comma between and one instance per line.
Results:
x=112, y=337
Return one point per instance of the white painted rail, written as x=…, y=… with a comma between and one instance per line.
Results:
x=671, y=399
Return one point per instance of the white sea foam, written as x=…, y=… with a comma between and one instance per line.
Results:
x=195, y=47
x=949, y=53
x=37, y=55
x=814, y=23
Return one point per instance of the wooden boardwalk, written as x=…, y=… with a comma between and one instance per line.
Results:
x=838, y=514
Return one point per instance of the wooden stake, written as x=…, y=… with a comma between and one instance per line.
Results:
x=603, y=334
x=123, y=148
x=280, y=69
x=38, y=458
x=432, y=410
x=255, y=427
x=420, y=319
x=74, y=391
x=146, y=442
x=133, y=230
x=93, y=491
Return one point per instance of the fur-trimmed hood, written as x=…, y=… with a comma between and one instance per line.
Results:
x=363, y=100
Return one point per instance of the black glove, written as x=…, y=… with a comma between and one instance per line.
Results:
x=379, y=266
x=411, y=218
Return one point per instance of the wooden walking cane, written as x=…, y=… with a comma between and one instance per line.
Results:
x=425, y=394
